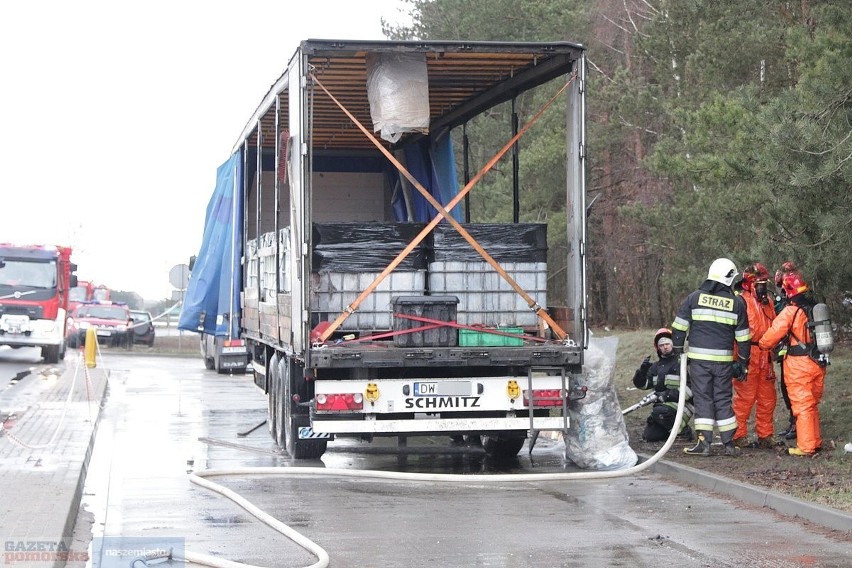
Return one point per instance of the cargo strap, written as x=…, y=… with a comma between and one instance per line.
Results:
x=440, y=323
x=443, y=213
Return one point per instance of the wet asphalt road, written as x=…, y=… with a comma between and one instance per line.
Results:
x=166, y=416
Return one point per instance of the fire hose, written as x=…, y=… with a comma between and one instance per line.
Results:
x=649, y=398
x=201, y=478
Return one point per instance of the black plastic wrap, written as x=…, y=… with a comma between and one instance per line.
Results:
x=509, y=242
x=366, y=247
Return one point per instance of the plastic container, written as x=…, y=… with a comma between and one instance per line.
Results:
x=470, y=338
x=441, y=308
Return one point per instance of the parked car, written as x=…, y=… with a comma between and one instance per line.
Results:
x=111, y=322
x=143, y=327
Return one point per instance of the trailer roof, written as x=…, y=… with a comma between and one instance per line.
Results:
x=465, y=78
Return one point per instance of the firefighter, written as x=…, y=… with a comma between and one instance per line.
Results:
x=714, y=318
x=758, y=388
x=804, y=377
x=664, y=377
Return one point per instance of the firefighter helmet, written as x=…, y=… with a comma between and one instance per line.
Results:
x=794, y=284
x=754, y=273
x=722, y=270
x=662, y=333
x=787, y=266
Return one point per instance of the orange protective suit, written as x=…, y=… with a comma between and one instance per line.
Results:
x=759, y=387
x=805, y=379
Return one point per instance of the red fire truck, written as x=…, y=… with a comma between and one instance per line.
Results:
x=35, y=281
x=82, y=292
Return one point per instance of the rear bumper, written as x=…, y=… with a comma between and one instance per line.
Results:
x=427, y=425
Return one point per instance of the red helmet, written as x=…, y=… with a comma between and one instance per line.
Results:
x=794, y=284
x=754, y=273
x=661, y=333
x=786, y=267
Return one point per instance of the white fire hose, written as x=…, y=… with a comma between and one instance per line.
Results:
x=201, y=478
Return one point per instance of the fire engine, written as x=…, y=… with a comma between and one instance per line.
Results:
x=35, y=281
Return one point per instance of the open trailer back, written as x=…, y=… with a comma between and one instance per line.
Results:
x=374, y=299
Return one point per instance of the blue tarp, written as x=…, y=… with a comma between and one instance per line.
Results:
x=430, y=160
x=211, y=304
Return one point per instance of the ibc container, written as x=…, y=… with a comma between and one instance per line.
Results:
x=433, y=307
x=331, y=292
x=485, y=298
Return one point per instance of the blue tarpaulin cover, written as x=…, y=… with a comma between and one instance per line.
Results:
x=211, y=304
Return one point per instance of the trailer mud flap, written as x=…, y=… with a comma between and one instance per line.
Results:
x=307, y=433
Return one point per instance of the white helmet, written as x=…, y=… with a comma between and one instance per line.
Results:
x=722, y=270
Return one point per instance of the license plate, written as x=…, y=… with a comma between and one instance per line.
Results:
x=104, y=333
x=233, y=350
x=448, y=388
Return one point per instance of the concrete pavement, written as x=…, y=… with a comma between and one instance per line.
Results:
x=45, y=451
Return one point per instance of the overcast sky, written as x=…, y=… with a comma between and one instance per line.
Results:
x=115, y=114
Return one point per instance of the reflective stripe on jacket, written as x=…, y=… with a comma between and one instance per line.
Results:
x=714, y=318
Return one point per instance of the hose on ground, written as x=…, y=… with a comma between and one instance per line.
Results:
x=201, y=478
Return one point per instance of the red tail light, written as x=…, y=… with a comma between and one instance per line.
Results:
x=547, y=397
x=340, y=402
x=233, y=343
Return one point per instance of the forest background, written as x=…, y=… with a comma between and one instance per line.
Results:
x=714, y=129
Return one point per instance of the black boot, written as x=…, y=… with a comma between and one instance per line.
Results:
x=731, y=449
x=791, y=433
x=702, y=448
x=687, y=434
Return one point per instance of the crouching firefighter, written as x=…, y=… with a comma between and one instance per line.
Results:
x=715, y=318
x=664, y=377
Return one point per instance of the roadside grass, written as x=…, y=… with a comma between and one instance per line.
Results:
x=825, y=479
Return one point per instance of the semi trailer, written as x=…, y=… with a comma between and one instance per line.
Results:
x=375, y=294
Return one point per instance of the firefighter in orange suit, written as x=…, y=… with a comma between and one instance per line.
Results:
x=805, y=377
x=758, y=388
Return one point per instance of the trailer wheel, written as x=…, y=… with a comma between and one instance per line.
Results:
x=504, y=445
x=297, y=448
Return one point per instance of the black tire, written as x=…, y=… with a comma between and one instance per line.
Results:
x=505, y=445
x=293, y=420
x=62, y=349
x=208, y=363
x=50, y=354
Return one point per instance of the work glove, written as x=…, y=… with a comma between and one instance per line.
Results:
x=646, y=364
x=670, y=395
x=740, y=371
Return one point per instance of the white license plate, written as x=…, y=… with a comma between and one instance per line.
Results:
x=233, y=350
x=447, y=388
x=103, y=333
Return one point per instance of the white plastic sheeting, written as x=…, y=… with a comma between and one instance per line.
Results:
x=598, y=437
x=398, y=91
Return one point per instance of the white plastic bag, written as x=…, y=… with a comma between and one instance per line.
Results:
x=597, y=438
x=398, y=91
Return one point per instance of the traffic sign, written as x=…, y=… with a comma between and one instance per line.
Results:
x=179, y=276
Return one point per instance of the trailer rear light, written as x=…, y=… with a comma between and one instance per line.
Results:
x=546, y=397
x=340, y=402
x=233, y=343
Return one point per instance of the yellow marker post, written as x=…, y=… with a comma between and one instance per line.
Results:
x=90, y=350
